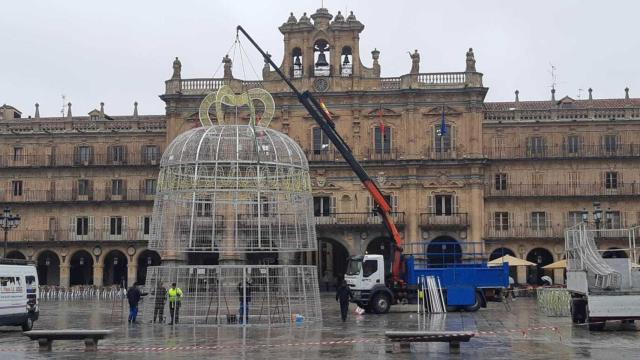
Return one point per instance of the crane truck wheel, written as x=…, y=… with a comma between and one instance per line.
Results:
x=475, y=306
x=380, y=303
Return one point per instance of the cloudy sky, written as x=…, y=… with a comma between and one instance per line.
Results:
x=120, y=51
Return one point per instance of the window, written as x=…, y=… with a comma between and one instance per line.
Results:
x=573, y=144
x=444, y=204
x=321, y=205
x=538, y=220
x=320, y=141
x=369, y=267
x=203, y=207
x=612, y=220
x=382, y=141
x=575, y=217
x=263, y=205
x=146, y=225
x=150, y=187
x=501, y=220
x=611, y=180
x=16, y=185
x=84, y=154
x=443, y=143
x=83, y=187
x=536, y=146
x=115, y=226
x=117, y=153
x=82, y=225
x=151, y=153
x=116, y=187
x=610, y=143
x=501, y=181
x=17, y=153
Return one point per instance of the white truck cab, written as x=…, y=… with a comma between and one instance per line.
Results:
x=19, y=294
x=366, y=279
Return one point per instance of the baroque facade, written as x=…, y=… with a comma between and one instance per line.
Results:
x=503, y=177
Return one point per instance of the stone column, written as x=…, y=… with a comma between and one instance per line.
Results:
x=64, y=275
x=132, y=271
x=98, y=272
x=521, y=274
x=558, y=276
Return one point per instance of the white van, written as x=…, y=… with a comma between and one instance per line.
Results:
x=19, y=294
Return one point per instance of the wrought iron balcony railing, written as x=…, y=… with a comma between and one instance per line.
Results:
x=563, y=151
x=435, y=220
x=75, y=160
x=564, y=190
x=73, y=234
x=38, y=196
x=356, y=218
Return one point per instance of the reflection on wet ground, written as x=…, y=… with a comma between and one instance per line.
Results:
x=523, y=333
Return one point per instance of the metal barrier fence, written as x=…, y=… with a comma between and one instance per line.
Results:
x=81, y=293
x=554, y=301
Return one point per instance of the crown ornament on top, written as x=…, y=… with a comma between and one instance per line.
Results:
x=226, y=96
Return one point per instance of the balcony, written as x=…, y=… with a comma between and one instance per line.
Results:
x=542, y=231
x=73, y=160
x=66, y=234
x=54, y=196
x=563, y=190
x=441, y=221
x=356, y=219
x=563, y=152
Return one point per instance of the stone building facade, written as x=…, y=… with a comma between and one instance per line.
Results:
x=504, y=177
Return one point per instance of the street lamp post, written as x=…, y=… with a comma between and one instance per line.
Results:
x=8, y=221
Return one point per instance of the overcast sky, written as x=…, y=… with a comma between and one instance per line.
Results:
x=120, y=51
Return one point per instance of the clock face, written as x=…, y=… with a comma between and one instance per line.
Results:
x=321, y=85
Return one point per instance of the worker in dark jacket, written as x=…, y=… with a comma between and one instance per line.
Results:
x=343, y=294
x=245, y=300
x=134, y=295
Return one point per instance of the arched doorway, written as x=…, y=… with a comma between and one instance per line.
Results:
x=614, y=253
x=115, y=269
x=541, y=257
x=48, y=266
x=203, y=258
x=500, y=252
x=332, y=263
x=444, y=250
x=81, y=268
x=382, y=246
x=145, y=259
x=15, y=254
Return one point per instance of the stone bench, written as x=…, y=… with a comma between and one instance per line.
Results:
x=405, y=338
x=45, y=337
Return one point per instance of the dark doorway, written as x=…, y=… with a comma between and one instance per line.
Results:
x=48, y=266
x=115, y=269
x=145, y=259
x=332, y=264
x=614, y=253
x=81, y=269
x=541, y=257
x=444, y=250
x=15, y=254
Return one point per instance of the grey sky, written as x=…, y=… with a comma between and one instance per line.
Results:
x=121, y=51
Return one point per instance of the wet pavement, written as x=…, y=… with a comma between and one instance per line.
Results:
x=523, y=333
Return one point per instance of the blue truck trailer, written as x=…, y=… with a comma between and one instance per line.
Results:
x=465, y=280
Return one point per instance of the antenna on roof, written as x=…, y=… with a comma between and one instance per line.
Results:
x=64, y=102
x=554, y=77
x=580, y=93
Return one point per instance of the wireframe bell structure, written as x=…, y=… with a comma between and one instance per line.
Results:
x=346, y=60
x=297, y=61
x=322, y=60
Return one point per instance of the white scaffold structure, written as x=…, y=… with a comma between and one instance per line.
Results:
x=239, y=195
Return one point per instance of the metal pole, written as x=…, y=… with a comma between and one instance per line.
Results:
x=4, y=254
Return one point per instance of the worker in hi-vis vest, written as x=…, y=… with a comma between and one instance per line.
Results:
x=175, y=295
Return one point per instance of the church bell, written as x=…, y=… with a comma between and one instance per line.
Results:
x=346, y=60
x=297, y=61
x=322, y=60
